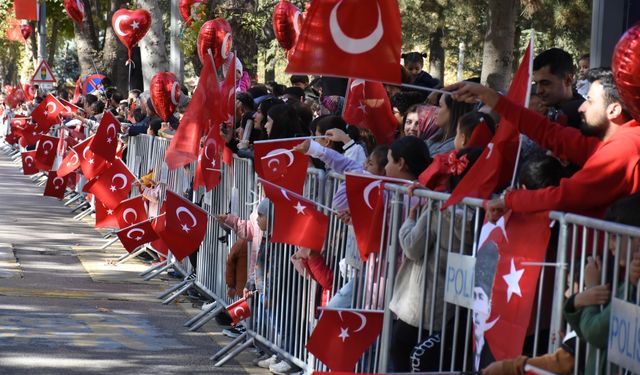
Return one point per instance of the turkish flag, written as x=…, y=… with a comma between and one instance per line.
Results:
x=26, y=9
x=15, y=97
x=137, y=235
x=77, y=92
x=275, y=162
x=68, y=107
x=113, y=185
x=46, y=152
x=11, y=139
x=356, y=38
x=184, y=227
x=239, y=311
x=297, y=220
x=18, y=125
x=494, y=166
x=515, y=281
x=29, y=135
x=91, y=164
x=69, y=163
x=45, y=115
x=201, y=112
x=105, y=217
x=55, y=186
x=342, y=336
x=105, y=142
x=29, y=163
x=29, y=90
x=365, y=196
x=208, y=172
x=367, y=105
x=131, y=211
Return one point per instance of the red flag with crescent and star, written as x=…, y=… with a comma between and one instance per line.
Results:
x=239, y=311
x=91, y=164
x=365, y=196
x=208, y=170
x=113, y=185
x=46, y=152
x=202, y=113
x=105, y=142
x=342, y=336
x=494, y=166
x=367, y=105
x=55, y=186
x=297, y=220
x=105, y=217
x=185, y=225
x=276, y=162
x=29, y=163
x=131, y=211
x=356, y=38
x=515, y=281
x=137, y=235
x=69, y=163
x=45, y=115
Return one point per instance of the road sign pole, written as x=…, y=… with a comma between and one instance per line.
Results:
x=42, y=29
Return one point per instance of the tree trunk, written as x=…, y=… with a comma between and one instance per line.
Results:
x=153, y=48
x=113, y=55
x=244, y=42
x=497, y=56
x=436, y=54
x=53, y=42
x=86, y=41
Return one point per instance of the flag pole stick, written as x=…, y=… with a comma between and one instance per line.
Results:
x=382, y=178
x=277, y=153
x=149, y=219
x=422, y=88
x=293, y=139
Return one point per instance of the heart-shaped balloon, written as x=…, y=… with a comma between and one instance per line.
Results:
x=165, y=94
x=130, y=26
x=192, y=10
x=26, y=30
x=287, y=23
x=626, y=69
x=216, y=36
x=75, y=10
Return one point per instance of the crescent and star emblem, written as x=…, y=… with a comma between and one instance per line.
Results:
x=185, y=210
x=350, y=45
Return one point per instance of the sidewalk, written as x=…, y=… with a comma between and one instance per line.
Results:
x=65, y=308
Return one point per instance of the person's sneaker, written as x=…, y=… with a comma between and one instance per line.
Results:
x=261, y=358
x=234, y=332
x=266, y=363
x=282, y=368
x=206, y=306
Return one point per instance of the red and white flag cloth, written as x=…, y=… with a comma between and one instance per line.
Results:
x=47, y=113
x=29, y=91
x=184, y=227
x=297, y=220
x=239, y=311
x=105, y=142
x=494, y=167
x=105, y=217
x=69, y=163
x=137, y=235
x=131, y=211
x=29, y=135
x=201, y=114
x=46, y=152
x=356, y=38
x=113, y=185
x=29, y=163
x=91, y=164
x=18, y=125
x=26, y=9
x=342, y=336
x=367, y=105
x=159, y=223
x=55, y=186
x=69, y=107
x=365, y=196
x=208, y=169
x=275, y=162
x=507, y=270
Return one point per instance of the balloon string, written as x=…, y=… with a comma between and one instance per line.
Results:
x=130, y=63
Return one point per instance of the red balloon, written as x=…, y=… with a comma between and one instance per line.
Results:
x=26, y=30
x=215, y=35
x=165, y=94
x=287, y=23
x=130, y=26
x=189, y=10
x=75, y=10
x=626, y=69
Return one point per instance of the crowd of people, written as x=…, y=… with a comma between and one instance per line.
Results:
x=580, y=154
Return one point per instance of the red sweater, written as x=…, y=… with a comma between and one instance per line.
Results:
x=609, y=167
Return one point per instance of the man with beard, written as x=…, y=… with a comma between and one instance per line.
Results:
x=553, y=73
x=609, y=162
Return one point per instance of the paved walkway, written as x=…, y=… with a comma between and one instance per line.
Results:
x=66, y=309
